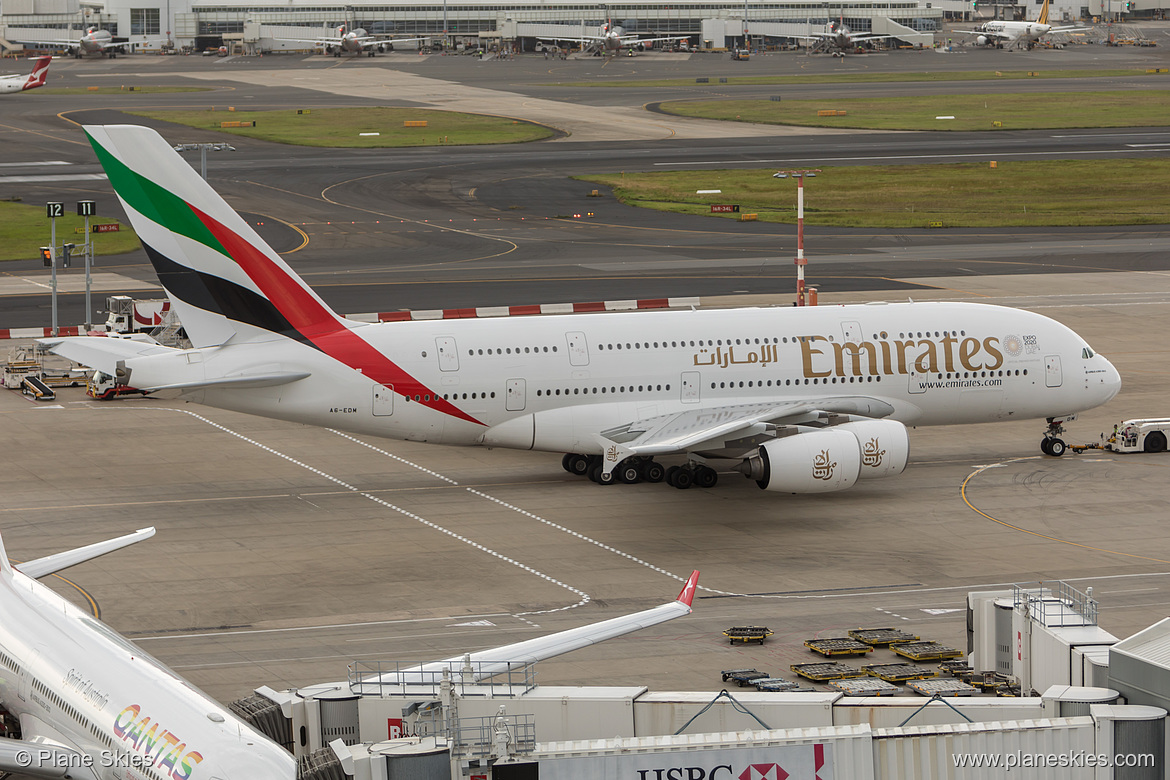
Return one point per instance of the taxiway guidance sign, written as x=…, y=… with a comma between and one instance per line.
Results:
x=724, y=209
x=114, y=228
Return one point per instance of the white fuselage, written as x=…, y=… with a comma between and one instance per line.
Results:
x=553, y=383
x=95, y=41
x=71, y=680
x=1015, y=31
x=12, y=83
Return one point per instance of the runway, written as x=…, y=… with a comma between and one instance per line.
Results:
x=286, y=552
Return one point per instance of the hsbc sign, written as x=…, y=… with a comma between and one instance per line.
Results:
x=782, y=762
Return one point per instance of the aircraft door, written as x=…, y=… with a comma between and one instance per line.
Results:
x=916, y=380
x=383, y=401
x=578, y=348
x=851, y=331
x=690, y=387
x=448, y=353
x=514, y=400
x=1052, y=374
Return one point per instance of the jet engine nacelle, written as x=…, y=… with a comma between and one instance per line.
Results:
x=885, y=446
x=821, y=461
x=982, y=40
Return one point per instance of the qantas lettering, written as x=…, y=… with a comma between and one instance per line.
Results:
x=172, y=756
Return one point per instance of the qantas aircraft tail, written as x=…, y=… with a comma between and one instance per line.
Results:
x=40, y=73
x=224, y=281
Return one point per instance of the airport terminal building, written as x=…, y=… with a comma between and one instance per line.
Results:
x=254, y=26
x=709, y=24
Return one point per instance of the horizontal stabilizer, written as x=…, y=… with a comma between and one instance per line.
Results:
x=50, y=564
x=246, y=380
x=102, y=354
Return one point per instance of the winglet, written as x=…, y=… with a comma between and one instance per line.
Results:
x=687, y=594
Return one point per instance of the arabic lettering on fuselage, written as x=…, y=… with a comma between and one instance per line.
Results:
x=821, y=357
x=763, y=356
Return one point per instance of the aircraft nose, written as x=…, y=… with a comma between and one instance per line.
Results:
x=1111, y=384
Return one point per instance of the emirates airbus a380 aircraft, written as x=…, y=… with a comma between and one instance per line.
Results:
x=802, y=400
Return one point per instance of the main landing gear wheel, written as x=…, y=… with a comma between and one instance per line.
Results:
x=705, y=477
x=629, y=471
x=600, y=477
x=653, y=472
x=575, y=464
x=680, y=477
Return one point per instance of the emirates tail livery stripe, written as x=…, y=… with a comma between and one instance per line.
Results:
x=311, y=321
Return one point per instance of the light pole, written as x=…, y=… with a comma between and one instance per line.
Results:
x=203, y=149
x=801, y=261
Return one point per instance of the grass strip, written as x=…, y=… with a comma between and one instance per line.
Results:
x=343, y=127
x=1039, y=111
x=24, y=229
x=1014, y=194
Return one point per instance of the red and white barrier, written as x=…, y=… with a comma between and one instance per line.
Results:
x=41, y=333
x=428, y=314
x=525, y=311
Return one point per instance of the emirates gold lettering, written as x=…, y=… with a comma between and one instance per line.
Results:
x=882, y=357
x=854, y=350
x=807, y=350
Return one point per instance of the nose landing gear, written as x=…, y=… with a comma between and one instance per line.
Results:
x=1052, y=444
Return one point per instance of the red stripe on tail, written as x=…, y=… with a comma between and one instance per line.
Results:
x=321, y=326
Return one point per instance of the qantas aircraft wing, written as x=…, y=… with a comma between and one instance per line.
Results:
x=42, y=567
x=488, y=663
x=689, y=430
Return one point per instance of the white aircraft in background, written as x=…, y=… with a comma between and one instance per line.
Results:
x=353, y=42
x=803, y=400
x=95, y=41
x=612, y=39
x=94, y=706
x=997, y=33
x=841, y=39
x=21, y=82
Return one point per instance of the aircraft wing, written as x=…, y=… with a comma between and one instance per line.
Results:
x=42, y=567
x=993, y=35
x=697, y=429
x=488, y=663
x=581, y=40
x=633, y=39
x=315, y=41
x=71, y=44
x=1069, y=28
x=133, y=44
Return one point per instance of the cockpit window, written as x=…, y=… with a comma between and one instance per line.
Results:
x=1087, y=353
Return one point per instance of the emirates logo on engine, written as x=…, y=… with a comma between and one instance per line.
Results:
x=872, y=453
x=823, y=466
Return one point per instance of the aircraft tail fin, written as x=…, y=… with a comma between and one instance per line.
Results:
x=40, y=73
x=223, y=280
x=1043, y=17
